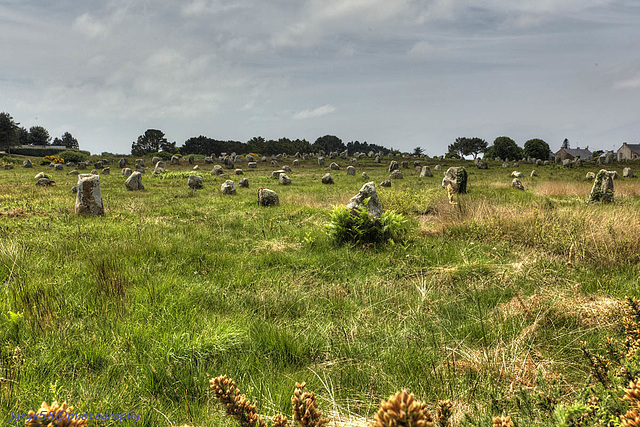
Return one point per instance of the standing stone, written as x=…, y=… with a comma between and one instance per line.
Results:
x=276, y=174
x=160, y=167
x=45, y=182
x=376, y=159
x=517, y=184
x=393, y=166
x=284, y=179
x=368, y=191
x=437, y=168
x=126, y=172
x=228, y=188
x=196, y=167
x=613, y=174
x=334, y=166
x=296, y=162
x=351, y=170
x=122, y=163
x=250, y=158
x=405, y=165
x=134, y=182
x=195, y=182
x=516, y=174
x=396, y=174
x=175, y=160
x=139, y=163
x=252, y=165
x=89, y=199
x=457, y=178
x=533, y=173
x=567, y=163
x=602, y=190
x=578, y=163
x=286, y=168
x=267, y=197
x=8, y=166
x=425, y=172
x=264, y=158
x=238, y=172
x=482, y=165
x=327, y=179
x=41, y=175
x=608, y=158
x=627, y=173
x=208, y=160
x=27, y=164
x=217, y=170
x=191, y=159
x=106, y=171
x=505, y=165
x=590, y=176
x=320, y=161
x=364, y=175
x=244, y=183
x=74, y=172
x=385, y=183
x=58, y=167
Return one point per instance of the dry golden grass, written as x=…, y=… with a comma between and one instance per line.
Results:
x=563, y=188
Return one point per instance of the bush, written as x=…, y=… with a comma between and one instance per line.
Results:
x=357, y=226
x=164, y=155
x=72, y=156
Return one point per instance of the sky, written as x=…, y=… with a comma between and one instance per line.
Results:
x=400, y=73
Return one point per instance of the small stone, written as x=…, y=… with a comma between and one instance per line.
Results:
x=385, y=183
x=45, y=182
x=74, y=189
x=73, y=172
x=106, y=171
x=393, y=166
x=327, y=179
x=238, y=172
x=160, y=167
x=27, y=164
x=252, y=165
x=425, y=172
x=627, y=173
x=396, y=174
x=122, y=163
x=284, y=179
x=191, y=159
x=196, y=167
x=126, y=172
x=134, y=182
x=334, y=166
x=195, y=182
x=58, y=167
x=243, y=183
x=286, y=168
x=351, y=170
x=533, y=173
x=516, y=174
x=175, y=160
x=276, y=174
x=267, y=197
x=517, y=184
x=590, y=176
x=228, y=187
x=437, y=168
x=217, y=170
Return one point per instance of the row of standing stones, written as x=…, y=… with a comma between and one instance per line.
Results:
x=89, y=198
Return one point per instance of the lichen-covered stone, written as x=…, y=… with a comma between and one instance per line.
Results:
x=134, y=182
x=369, y=195
x=89, y=197
x=267, y=197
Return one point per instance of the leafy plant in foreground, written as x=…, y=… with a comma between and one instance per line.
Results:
x=357, y=226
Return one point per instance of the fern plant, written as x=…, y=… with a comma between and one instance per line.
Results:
x=358, y=227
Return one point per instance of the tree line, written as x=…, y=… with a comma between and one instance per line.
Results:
x=14, y=135
x=503, y=147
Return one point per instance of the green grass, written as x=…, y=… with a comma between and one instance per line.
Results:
x=136, y=310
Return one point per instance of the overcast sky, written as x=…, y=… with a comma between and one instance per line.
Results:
x=401, y=73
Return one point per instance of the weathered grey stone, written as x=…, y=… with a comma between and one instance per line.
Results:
x=351, y=170
x=228, y=187
x=364, y=175
x=482, y=165
x=437, y=168
x=74, y=172
x=175, y=160
x=567, y=163
x=334, y=166
x=417, y=163
x=74, y=189
x=27, y=164
x=106, y=171
x=134, y=182
x=385, y=183
x=267, y=197
x=539, y=162
x=393, y=166
x=516, y=174
x=122, y=163
x=252, y=165
x=250, y=158
x=627, y=173
x=286, y=168
x=82, y=165
x=327, y=179
x=516, y=164
x=195, y=168
x=284, y=179
x=195, y=182
x=274, y=163
x=41, y=175
x=396, y=174
x=93, y=172
x=191, y=159
x=8, y=166
x=296, y=162
x=376, y=159
x=217, y=170
x=208, y=160
x=505, y=165
x=517, y=184
x=456, y=177
x=139, y=162
x=58, y=167
x=98, y=164
x=238, y=172
x=602, y=190
x=243, y=183
x=426, y=172
x=320, y=161
x=276, y=174
x=264, y=158
x=590, y=176
x=126, y=172
x=45, y=182
x=577, y=163
x=368, y=191
x=533, y=173
x=89, y=198
x=613, y=174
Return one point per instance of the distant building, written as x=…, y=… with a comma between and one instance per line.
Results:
x=629, y=151
x=572, y=153
x=45, y=147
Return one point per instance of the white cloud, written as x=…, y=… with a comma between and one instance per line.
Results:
x=632, y=83
x=90, y=26
x=316, y=112
x=422, y=49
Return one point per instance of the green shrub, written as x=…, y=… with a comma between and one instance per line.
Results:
x=164, y=155
x=357, y=226
x=72, y=156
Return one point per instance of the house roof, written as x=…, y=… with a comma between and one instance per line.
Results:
x=575, y=152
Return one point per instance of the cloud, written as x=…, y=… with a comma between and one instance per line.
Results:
x=632, y=83
x=89, y=26
x=422, y=49
x=316, y=112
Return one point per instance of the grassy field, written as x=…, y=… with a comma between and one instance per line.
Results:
x=136, y=310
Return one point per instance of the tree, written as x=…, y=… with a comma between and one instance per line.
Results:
x=8, y=132
x=23, y=135
x=70, y=142
x=418, y=151
x=505, y=148
x=468, y=146
x=565, y=144
x=39, y=136
x=150, y=142
x=537, y=148
x=329, y=143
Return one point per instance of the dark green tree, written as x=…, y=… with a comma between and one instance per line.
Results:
x=70, y=142
x=418, y=151
x=505, y=148
x=39, y=136
x=537, y=148
x=468, y=146
x=150, y=142
x=329, y=143
x=565, y=143
x=23, y=136
x=8, y=132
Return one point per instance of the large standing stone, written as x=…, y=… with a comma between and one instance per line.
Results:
x=334, y=166
x=320, y=161
x=457, y=178
x=533, y=173
x=191, y=159
x=175, y=160
x=517, y=184
x=327, y=179
x=276, y=174
x=134, y=182
x=27, y=164
x=368, y=191
x=351, y=170
x=393, y=166
x=228, y=187
x=122, y=163
x=267, y=197
x=88, y=198
x=217, y=170
x=396, y=174
x=284, y=179
x=160, y=167
x=195, y=182
x=602, y=190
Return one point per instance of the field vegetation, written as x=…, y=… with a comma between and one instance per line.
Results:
x=499, y=303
